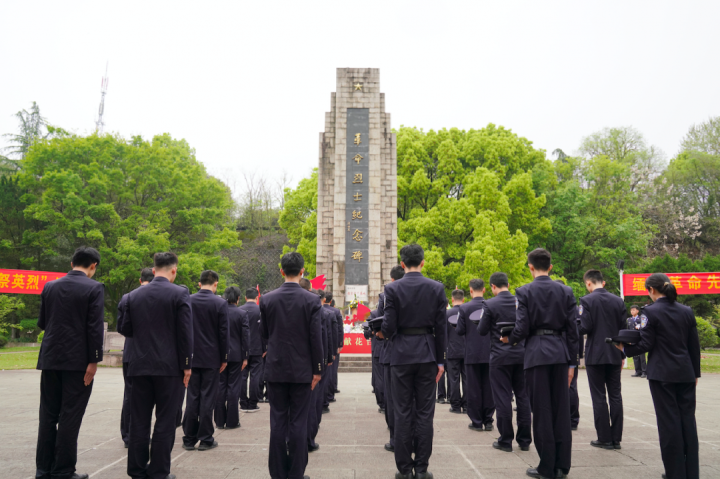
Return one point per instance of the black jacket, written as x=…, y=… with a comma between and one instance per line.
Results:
x=501, y=309
x=238, y=329
x=671, y=338
x=602, y=315
x=158, y=317
x=71, y=314
x=210, y=325
x=258, y=345
x=545, y=304
x=455, y=342
x=477, y=347
x=337, y=324
x=127, y=347
x=290, y=321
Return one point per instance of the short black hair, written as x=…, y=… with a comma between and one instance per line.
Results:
x=500, y=280
x=163, y=260
x=635, y=306
x=232, y=294
x=328, y=296
x=305, y=284
x=397, y=272
x=321, y=293
x=540, y=259
x=594, y=276
x=332, y=303
x=292, y=263
x=146, y=275
x=85, y=256
x=209, y=277
x=412, y=255
x=458, y=295
x=477, y=284
x=251, y=293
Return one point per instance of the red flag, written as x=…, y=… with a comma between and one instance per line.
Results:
x=258, y=290
x=363, y=312
x=319, y=282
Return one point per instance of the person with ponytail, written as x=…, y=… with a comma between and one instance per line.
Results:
x=673, y=367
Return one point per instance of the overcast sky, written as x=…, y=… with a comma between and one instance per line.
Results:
x=247, y=84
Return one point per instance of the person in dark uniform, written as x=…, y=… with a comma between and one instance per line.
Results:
x=573, y=392
x=396, y=273
x=210, y=358
x=480, y=404
x=228, y=395
x=159, y=319
x=378, y=379
x=329, y=352
x=544, y=310
x=263, y=381
x=602, y=315
x=71, y=314
x=146, y=275
x=507, y=373
x=290, y=321
x=328, y=303
x=456, y=358
x=671, y=339
x=318, y=396
x=415, y=314
x=638, y=321
x=251, y=395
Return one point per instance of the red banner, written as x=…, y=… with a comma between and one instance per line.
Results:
x=355, y=343
x=685, y=283
x=19, y=281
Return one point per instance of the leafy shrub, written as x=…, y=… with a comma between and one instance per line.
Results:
x=41, y=336
x=707, y=334
x=28, y=325
x=3, y=341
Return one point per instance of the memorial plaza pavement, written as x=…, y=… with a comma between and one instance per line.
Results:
x=351, y=437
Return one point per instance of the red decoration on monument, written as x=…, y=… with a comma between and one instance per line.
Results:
x=319, y=282
x=363, y=312
x=685, y=283
x=20, y=281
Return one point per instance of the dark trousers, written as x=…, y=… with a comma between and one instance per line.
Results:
x=574, y=401
x=378, y=381
x=602, y=377
x=547, y=388
x=148, y=459
x=456, y=377
x=507, y=380
x=413, y=385
x=201, y=394
x=480, y=405
x=263, y=383
x=388, y=396
x=63, y=399
x=250, y=395
x=334, y=377
x=125, y=413
x=640, y=364
x=317, y=397
x=289, y=405
x=226, y=403
x=675, y=411
x=441, y=389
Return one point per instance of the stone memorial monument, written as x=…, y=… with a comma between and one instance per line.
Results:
x=357, y=190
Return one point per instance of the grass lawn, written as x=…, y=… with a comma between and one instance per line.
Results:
x=708, y=364
x=20, y=348
x=19, y=361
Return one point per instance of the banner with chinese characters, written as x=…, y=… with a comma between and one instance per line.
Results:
x=19, y=281
x=355, y=343
x=685, y=283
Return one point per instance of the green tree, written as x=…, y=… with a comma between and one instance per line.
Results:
x=704, y=137
x=299, y=219
x=9, y=304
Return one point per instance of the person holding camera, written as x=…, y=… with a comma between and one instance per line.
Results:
x=637, y=321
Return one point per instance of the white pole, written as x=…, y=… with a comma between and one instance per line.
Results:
x=622, y=290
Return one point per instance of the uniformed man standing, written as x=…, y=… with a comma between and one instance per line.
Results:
x=507, y=373
x=329, y=349
x=71, y=314
x=146, y=275
x=251, y=395
x=573, y=392
x=228, y=395
x=290, y=321
x=159, y=319
x=544, y=310
x=415, y=314
x=457, y=383
x=638, y=321
x=378, y=380
x=210, y=358
x=340, y=336
x=480, y=404
x=602, y=315
x=318, y=396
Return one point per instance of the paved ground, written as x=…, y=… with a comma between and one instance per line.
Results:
x=352, y=437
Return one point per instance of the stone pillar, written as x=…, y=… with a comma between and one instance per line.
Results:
x=357, y=221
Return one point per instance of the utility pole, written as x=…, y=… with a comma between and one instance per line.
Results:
x=103, y=91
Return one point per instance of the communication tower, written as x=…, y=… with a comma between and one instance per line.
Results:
x=103, y=91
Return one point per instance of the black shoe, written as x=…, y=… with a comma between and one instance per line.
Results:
x=574, y=428
x=489, y=427
x=456, y=411
x=127, y=445
x=644, y=376
x=616, y=445
x=464, y=410
x=497, y=445
x=473, y=428
x=636, y=375
x=220, y=427
x=532, y=472
x=337, y=391
x=424, y=475
x=664, y=476
x=252, y=409
x=525, y=448
x=399, y=475
x=437, y=400
x=170, y=476
x=442, y=401
x=389, y=447
x=603, y=445
x=232, y=427
x=381, y=410
x=515, y=409
x=559, y=474
x=80, y=476
x=326, y=410
x=205, y=447
x=189, y=447
x=313, y=448
x=332, y=400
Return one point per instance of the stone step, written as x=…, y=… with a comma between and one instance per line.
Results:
x=355, y=370
x=354, y=364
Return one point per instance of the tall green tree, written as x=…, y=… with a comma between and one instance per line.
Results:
x=704, y=137
x=299, y=219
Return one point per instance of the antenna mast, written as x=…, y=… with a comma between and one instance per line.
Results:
x=103, y=90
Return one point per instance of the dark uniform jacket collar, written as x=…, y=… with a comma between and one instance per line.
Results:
x=75, y=272
x=542, y=278
x=160, y=279
x=504, y=293
x=600, y=290
x=414, y=273
x=478, y=298
x=290, y=284
x=205, y=291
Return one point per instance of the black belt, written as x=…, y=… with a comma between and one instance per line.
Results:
x=415, y=331
x=545, y=332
